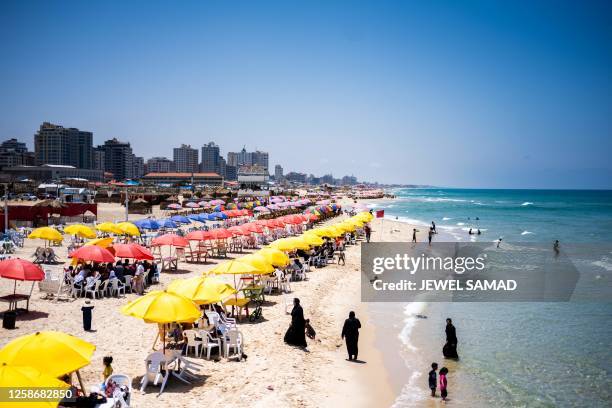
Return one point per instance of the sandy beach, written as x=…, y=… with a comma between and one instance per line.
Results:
x=273, y=373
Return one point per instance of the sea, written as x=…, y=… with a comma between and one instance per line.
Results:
x=544, y=354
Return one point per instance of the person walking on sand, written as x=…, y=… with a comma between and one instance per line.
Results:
x=432, y=379
x=443, y=383
x=414, y=231
x=430, y=235
x=368, y=232
x=450, y=348
x=296, y=333
x=350, y=333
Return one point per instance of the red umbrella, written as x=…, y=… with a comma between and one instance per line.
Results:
x=252, y=227
x=93, y=253
x=198, y=235
x=20, y=269
x=170, y=239
x=238, y=230
x=220, y=233
x=132, y=251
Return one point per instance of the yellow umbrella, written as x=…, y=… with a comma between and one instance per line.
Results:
x=234, y=267
x=335, y=232
x=46, y=233
x=109, y=227
x=365, y=216
x=259, y=262
x=20, y=377
x=346, y=226
x=202, y=289
x=274, y=256
x=311, y=239
x=354, y=222
x=163, y=307
x=80, y=230
x=101, y=242
x=321, y=232
x=289, y=244
x=129, y=229
x=51, y=352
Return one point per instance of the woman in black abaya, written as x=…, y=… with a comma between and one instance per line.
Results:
x=296, y=334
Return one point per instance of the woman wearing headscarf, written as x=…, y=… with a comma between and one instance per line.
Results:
x=350, y=332
x=296, y=334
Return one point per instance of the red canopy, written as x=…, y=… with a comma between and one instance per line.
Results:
x=220, y=233
x=20, y=269
x=170, y=239
x=93, y=253
x=198, y=235
x=252, y=227
x=238, y=230
x=132, y=251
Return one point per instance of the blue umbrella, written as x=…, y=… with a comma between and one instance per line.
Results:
x=180, y=218
x=196, y=217
x=168, y=223
x=147, y=223
x=219, y=215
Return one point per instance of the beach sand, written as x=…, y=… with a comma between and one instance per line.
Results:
x=274, y=373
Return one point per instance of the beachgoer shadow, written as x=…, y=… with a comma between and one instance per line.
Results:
x=356, y=361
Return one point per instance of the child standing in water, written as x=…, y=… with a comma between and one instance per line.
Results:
x=443, y=383
x=432, y=379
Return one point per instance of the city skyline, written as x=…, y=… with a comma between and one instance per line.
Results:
x=487, y=95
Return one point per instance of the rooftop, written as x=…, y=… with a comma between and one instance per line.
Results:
x=181, y=175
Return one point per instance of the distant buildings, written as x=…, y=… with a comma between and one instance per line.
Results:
x=159, y=165
x=296, y=177
x=211, y=159
x=118, y=159
x=210, y=179
x=186, y=159
x=139, y=167
x=253, y=179
x=278, y=173
x=55, y=144
x=244, y=158
x=15, y=153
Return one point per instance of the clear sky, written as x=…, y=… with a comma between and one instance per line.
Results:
x=467, y=94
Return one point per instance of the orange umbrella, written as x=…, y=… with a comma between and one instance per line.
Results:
x=238, y=230
x=170, y=239
x=220, y=233
x=198, y=235
x=252, y=227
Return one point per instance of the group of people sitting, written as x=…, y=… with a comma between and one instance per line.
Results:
x=140, y=273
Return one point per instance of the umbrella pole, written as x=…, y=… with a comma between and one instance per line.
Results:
x=78, y=374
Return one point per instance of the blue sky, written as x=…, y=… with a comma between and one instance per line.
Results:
x=467, y=94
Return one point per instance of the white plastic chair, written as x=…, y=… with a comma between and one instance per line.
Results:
x=209, y=343
x=117, y=287
x=93, y=289
x=121, y=380
x=128, y=283
x=233, y=341
x=155, y=371
x=193, y=342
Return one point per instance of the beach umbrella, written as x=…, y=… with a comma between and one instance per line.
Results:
x=170, y=239
x=109, y=227
x=196, y=217
x=180, y=218
x=252, y=227
x=217, y=202
x=284, y=244
x=219, y=215
x=198, y=235
x=80, y=230
x=168, y=223
x=238, y=230
x=132, y=251
x=147, y=223
x=364, y=216
x=101, y=242
x=220, y=233
x=233, y=267
x=203, y=290
x=274, y=256
x=51, y=352
x=129, y=228
x=46, y=233
x=259, y=262
x=174, y=206
x=311, y=239
x=93, y=253
x=163, y=307
x=192, y=205
x=261, y=209
x=203, y=204
x=22, y=378
x=20, y=269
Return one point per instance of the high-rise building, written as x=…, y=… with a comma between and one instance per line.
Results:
x=260, y=158
x=211, y=160
x=99, y=160
x=139, y=167
x=55, y=144
x=231, y=173
x=160, y=165
x=244, y=158
x=186, y=159
x=278, y=172
x=15, y=153
x=118, y=159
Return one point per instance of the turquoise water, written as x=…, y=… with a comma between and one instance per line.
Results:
x=516, y=354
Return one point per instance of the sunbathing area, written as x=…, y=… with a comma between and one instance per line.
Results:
x=185, y=303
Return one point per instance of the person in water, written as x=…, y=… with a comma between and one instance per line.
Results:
x=433, y=227
x=556, y=247
x=433, y=379
x=350, y=333
x=443, y=383
x=296, y=333
x=430, y=235
x=450, y=348
x=479, y=231
x=470, y=232
x=499, y=241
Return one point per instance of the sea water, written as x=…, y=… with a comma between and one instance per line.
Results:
x=512, y=354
